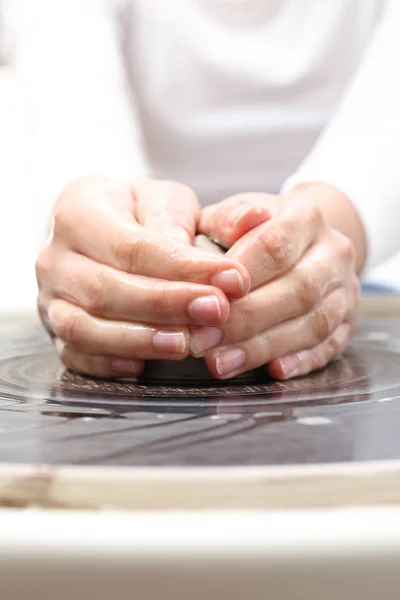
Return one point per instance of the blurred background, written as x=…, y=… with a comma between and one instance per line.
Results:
x=17, y=237
x=18, y=246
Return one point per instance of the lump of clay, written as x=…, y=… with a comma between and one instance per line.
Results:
x=190, y=371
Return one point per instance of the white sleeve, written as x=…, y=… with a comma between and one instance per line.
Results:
x=359, y=151
x=81, y=118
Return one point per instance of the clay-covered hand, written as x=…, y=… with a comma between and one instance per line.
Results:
x=119, y=281
x=302, y=306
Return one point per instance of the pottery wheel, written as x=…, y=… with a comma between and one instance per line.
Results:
x=348, y=411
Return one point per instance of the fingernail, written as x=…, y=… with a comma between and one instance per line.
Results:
x=176, y=232
x=170, y=341
x=203, y=339
x=125, y=366
x=205, y=309
x=230, y=282
x=289, y=365
x=228, y=361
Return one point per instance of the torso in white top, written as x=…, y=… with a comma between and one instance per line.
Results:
x=231, y=96
x=233, y=93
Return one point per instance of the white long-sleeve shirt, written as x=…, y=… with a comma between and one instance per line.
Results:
x=223, y=95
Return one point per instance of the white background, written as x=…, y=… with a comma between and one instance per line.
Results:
x=17, y=239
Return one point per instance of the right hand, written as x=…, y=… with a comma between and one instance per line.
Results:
x=119, y=281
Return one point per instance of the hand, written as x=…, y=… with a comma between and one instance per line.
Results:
x=302, y=306
x=119, y=281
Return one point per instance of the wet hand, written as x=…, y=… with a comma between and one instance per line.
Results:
x=119, y=281
x=302, y=305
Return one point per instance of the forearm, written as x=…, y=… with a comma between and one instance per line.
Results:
x=358, y=153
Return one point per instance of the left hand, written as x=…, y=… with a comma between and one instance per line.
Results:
x=302, y=306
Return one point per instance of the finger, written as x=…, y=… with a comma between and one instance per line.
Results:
x=94, y=336
x=168, y=208
x=318, y=357
x=296, y=293
x=203, y=242
x=246, y=219
x=104, y=190
x=275, y=247
x=97, y=366
x=286, y=338
x=229, y=220
x=103, y=291
x=109, y=234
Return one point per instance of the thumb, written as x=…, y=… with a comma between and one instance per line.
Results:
x=227, y=221
x=168, y=208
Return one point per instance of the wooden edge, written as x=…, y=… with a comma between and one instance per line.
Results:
x=232, y=488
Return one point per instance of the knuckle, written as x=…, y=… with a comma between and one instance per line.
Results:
x=128, y=344
x=64, y=222
x=95, y=296
x=315, y=218
x=315, y=360
x=69, y=330
x=240, y=324
x=99, y=365
x=278, y=245
x=43, y=266
x=162, y=301
x=244, y=319
x=96, y=366
x=324, y=323
x=130, y=254
x=347, y=251
x=332, y=348
x=308, y=291
x=80, y=363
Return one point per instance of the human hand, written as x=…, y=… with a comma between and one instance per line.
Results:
x=119, y=281
x=302, y=306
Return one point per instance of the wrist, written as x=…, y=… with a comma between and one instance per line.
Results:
x=338, y=211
